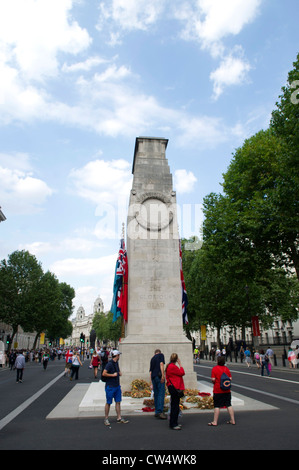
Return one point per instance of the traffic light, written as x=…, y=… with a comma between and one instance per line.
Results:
x=8, y=339
x=82, y=338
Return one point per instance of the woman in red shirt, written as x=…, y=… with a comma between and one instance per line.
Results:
x=174, y=381
x=222, y=398
x=95, y=362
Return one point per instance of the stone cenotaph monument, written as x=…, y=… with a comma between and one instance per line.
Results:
x=154, y=282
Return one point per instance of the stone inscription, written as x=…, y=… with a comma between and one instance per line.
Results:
x=156, y=300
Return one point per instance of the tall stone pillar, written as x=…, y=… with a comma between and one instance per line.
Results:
x=154, y=284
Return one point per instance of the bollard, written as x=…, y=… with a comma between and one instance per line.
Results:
x=283, y=360
x=275, y=360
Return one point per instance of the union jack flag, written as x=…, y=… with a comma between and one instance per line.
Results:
x=120, y=287
x=184, y=292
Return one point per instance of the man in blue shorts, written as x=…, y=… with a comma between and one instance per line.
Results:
x=112, y=388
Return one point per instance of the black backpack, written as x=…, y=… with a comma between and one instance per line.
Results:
x=225, y=382
x=103, y=378
x=104, y=357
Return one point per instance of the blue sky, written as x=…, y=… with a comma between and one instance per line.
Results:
x=81, y=79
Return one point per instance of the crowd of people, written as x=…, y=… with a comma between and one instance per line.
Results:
x=16, y=359
x=262, y=359
x=105, y=365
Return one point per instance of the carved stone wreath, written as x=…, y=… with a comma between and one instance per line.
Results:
x=155, y=213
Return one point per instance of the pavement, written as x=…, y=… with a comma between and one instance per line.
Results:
x=88, y=401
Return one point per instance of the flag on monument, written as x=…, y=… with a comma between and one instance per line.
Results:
x=123, y=298
x=120, y=286
x=184, y=292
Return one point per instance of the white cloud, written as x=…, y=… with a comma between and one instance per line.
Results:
x=112, y=73
x=67, y=245
x=232, y=71
x=84, y=66
x=130, y=14
x=37, y=248
x=32, y=35
x=16, y=160
x=21, y=192
x=33, y=32
x=84, y=297
x=209, y=22
x=103, y=268
x=97, y=182
x=85, y=266
x=184, y=181
x=203, y=131
x=18, y=99
x=110, y=102
x=97, y=179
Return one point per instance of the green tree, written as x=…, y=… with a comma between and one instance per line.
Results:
x=19, y=277
x=285, y=118
x=106, y=330
x=285, y=125
x=59, y=325
x=227, y=278
x=32, y=299
x=45, y=300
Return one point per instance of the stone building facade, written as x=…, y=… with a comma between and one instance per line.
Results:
x=82, y=324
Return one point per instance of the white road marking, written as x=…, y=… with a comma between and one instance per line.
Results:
x=12, y=415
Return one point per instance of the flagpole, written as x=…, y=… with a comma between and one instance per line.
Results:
x=123, y=320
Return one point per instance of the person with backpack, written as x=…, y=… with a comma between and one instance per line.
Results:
x=104, y=355
x=257, y=359
x=264, y=361
x=221, y=378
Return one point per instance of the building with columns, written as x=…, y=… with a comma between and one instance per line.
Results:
x=82, y=323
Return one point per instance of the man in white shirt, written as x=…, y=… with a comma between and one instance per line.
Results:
x=270, y=355
x=20, y=365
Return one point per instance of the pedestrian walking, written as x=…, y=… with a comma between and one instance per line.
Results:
x=157, y=378
x=247, y=354
x=264, y=360
x=12, y=359
x=95, y=362
x=68, y=363
x=195, y=354
x=76, y=363
x=45, y=359
x=112, y=373
x=221, y=392
x=270, y=354
x=175, y=383
x=19, y=366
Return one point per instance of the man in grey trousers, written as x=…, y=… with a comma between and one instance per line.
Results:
x=20, y=365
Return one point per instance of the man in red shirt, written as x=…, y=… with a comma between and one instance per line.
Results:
x=221, y=397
